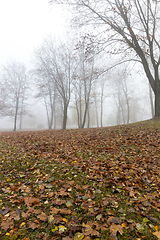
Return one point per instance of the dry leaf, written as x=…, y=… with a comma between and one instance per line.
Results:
x=42, y=216
x=54, y=210
x=29, y=201
x=157, y=234
x=116, y=228
x=89, y=231
x=33, y=225
x=7, y=224
x=65, y=211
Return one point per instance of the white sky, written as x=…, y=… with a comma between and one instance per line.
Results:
x=23, y=26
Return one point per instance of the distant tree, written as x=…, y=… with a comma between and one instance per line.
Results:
x=13, y=90
x=55, y=67
x=85, y=76
x=132, y=26
x=45, y=83
x=122, y=94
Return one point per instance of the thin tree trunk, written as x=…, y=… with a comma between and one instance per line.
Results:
x=102, y=106
x=128, y=111
x=88, y=118
x=47, y=113
x=16, y=114
x=157, y=102
x=151, y=101
x=95, y=100
x=65, y=116
x=118, y=116
x=85, y=114
x=20, y=123
x=78, y=115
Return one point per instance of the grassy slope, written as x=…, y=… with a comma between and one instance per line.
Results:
x=86, y=184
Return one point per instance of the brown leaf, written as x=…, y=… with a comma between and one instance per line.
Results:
x=37, y=211
x=65, y=211
x=109, y=220
x=58, y=202
x=63, y=192
x=42, y=216
x=33, y=225
x=29, y=201
x=113, y=237
x=89, y=231
x=25, y=215
x=54, y=210
x=116, y=220
x=116, y=228
x=7, y=224
x=87, y=238
x=157, y=234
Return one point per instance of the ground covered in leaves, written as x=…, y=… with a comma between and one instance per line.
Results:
x=101, y=183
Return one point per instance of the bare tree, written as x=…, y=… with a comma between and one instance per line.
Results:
x=56, y=67
x=85, y=76
x=45, y=82
x=130, y=25
x=13, y=90
x=122, y=94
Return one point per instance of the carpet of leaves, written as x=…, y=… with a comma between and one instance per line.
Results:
x=101, y=183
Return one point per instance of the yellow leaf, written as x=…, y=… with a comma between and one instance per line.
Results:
x=54, y=229
x=156, y=228
x=22, y=224
x=65, y=220
x=83, y=225
x=62, y=228
x=123, y=225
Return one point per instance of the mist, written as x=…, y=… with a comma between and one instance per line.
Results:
x=65, y=84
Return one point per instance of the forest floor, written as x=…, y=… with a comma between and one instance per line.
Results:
x=101, y=183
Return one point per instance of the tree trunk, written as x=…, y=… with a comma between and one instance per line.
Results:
x=151, y=101
x=85, y=114
x=118, y=115
x=102, y=92
x=128, y=112
x=157, y=100
x=78, y=115
x=96, y=108
x=88, y=119
x=65, y=116
x=15, y=117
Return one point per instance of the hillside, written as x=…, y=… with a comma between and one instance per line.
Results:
x=100, y=183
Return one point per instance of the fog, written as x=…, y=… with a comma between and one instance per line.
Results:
x=24, y=26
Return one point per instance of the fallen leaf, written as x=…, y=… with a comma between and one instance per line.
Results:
x=89, y=231
x=157, y=234
x=7, y=224
x=116, y=228
x=78, y=236
x=62, y=228
x=33, y=225
x=42, y=216
x=50, y=219
x=29, y=201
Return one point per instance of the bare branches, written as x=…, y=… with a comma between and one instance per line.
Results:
x=135, y=22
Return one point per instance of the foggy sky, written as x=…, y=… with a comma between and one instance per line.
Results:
x=24, y=24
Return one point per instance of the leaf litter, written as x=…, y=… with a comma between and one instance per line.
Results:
x=101, y=183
